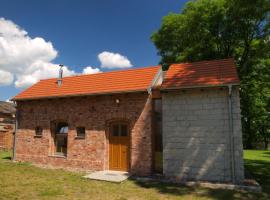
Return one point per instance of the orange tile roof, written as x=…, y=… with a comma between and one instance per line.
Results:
x=184, y=75
x=201, y=74
x=102, y=83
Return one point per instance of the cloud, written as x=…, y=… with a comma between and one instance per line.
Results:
x=43, y=70
x=6, y=78
x=113, y=60
x=90, y=70
x=23, y=58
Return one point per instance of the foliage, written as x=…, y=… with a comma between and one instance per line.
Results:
x=256, y=90
x=213, y=29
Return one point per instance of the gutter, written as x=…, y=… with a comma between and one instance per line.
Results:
x=231, y=134
x=79, y=95
x=198, y=87
x=15, y=136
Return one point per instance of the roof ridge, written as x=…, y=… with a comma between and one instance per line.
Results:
x=202, y=61
x=107, y=72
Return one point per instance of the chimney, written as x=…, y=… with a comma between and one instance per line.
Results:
x=59, y=81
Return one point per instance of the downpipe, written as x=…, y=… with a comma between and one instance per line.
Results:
x=231, y=134
x=15, y=136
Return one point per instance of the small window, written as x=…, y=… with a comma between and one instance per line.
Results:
x=81, y=132
x=39, y=131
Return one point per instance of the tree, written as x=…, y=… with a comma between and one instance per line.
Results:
x=213, y=29
x=256, y=86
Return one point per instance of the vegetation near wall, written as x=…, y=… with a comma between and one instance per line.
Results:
x=215, y=29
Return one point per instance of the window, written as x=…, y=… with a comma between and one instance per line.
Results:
x=38, y=131
x=81, y=132
x=61, y=139
x=120, y=130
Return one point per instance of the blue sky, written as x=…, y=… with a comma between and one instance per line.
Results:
x=80, y=30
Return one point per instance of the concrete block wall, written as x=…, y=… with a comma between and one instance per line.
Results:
x=196, y=140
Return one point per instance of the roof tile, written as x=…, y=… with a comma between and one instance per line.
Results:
x=108, y=82
x=201, y=74
x=184, y=75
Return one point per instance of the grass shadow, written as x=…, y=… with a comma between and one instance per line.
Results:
x=5, y=155
x=165, y=188
x=260, y=170
x=178, y=190
x=6, y=158
x=266, y=154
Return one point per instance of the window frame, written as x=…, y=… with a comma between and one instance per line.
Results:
x=38, y=129
x=119, y=126
x=58, y=135
x=79, y=136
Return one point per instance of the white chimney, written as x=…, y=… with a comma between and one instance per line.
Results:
x=59, y=81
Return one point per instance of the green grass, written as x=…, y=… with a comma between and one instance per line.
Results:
x=257, y=162
x=24, y=181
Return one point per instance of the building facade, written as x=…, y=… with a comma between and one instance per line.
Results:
x=184, y=123
x=95, y=117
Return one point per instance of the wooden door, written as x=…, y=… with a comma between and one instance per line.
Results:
x=119, y=147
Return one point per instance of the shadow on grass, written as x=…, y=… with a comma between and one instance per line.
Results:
x=6, y=158
x=267, y=154
x=166, y=188
x=5, y=155
x=182, y=190
x=260, y=170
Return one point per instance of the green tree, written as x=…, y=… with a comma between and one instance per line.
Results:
x=256, y=90
x=212, y=29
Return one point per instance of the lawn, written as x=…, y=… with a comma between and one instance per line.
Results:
x=258, y=165
x=24, y=181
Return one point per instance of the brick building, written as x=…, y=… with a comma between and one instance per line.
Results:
x=184, y=123
x=7, y=120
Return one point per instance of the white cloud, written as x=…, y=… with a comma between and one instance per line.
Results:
x=113, y=60
x=6, y=78
x=25, y=58
x=90, y=70
x=43, y=70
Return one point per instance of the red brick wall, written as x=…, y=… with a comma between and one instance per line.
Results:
x=6, y=131
x=94, y=113
x=6, y=138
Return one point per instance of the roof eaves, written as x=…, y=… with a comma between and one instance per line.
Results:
x=199, y=86
x=78, y=95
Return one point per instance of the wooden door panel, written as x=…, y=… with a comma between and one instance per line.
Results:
x=119, y=152
x=124, y=156
x=115, y=151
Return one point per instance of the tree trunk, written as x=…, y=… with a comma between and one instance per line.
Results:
x=266, y=145
x=250, y=138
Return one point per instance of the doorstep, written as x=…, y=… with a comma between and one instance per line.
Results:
x=108, y=175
